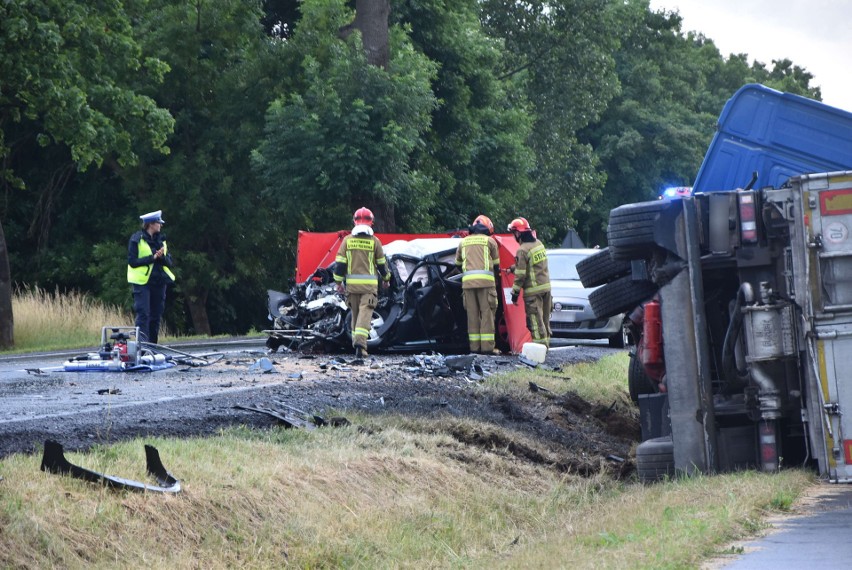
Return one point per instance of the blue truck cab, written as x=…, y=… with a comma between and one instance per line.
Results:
x=776, y=135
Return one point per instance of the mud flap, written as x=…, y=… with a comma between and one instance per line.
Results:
x=53, y=461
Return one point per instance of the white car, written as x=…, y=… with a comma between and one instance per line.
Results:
x=572, y=315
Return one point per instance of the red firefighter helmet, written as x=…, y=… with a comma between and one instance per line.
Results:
x=485, y=221
x=363, y=216
x=519, y=225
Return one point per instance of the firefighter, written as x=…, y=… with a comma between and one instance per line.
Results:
x=479, y=259
x=359, y=258
x=531, y=275
x=149, y=272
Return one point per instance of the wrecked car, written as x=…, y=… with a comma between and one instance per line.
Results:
x=421, y=309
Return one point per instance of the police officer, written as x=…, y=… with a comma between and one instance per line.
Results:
x=532, y=275
x=359, y=258
x=148, y=271
x=479, y=259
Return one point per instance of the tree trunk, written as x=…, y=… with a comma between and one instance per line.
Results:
x=385, y=218
x=7, y=322
x=198, y=313
x=371, y=18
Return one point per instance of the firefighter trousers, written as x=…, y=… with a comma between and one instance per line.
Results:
x=538, y=308
x=361, y=305
x=480, y=304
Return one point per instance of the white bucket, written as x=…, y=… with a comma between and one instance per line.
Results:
x=534, y=351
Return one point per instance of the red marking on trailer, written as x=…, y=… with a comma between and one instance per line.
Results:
x=835, y=202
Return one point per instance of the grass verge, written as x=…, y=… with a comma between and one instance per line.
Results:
x=385, y=492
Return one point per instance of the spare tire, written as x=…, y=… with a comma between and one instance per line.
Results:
x=601, y=268
x=630, y=232
x=655, y=459
x=620, y=296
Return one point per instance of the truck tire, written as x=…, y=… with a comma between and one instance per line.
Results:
x=630, y=232
x=620, y=296
x=638, y=382
x=655, y=459
x=601, y=268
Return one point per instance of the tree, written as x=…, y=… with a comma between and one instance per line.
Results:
x=475, y=152
x=672, y=88
x=342, y=139
x=559, y=54
x=224, y=73
x=69, y=76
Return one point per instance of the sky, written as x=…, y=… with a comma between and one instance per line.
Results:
x=812, y=34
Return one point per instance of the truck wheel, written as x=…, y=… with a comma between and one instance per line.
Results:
x=655, y=459
x=620, y=296
x=600, y=268
x=630, y=232
x=638, y=382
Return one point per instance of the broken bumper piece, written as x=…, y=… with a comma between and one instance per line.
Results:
x=53, y=461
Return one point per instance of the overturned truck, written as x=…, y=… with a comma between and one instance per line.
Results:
x=744, y=332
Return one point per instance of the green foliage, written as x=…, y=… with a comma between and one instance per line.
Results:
x=559, y=54
x=476, y=149
x=344, y=140
x=224, y=73
x=68, y=68
x=248, y=120
x=656, y=130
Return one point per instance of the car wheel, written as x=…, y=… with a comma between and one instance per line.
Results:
x=638, y=382
x=619, y=339
x=600, y=268
x=655, y=459
x=630, y=232
x=620, y=296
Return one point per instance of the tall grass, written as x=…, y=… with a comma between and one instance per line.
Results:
x=386, y=494
x=57, y=320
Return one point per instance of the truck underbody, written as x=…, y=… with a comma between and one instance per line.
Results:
x=755, y=298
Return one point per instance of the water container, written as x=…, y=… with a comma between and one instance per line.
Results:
x=534, y=351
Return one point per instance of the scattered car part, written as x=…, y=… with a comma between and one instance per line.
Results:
x=289, y=420
x=262, y=365
x=54, y=461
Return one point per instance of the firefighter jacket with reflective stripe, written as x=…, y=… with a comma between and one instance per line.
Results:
x=359, y=258
x=142, y=267
x=478, y=257
x=531, y=272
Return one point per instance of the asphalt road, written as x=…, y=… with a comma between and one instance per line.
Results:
x=818, y=538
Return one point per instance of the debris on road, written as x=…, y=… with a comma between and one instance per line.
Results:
x=293, y=417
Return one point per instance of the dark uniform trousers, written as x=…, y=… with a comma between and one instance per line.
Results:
x=149, y=301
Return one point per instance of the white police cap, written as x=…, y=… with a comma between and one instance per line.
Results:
x=152, y=217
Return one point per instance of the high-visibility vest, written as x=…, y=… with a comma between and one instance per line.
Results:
x=140, y=275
